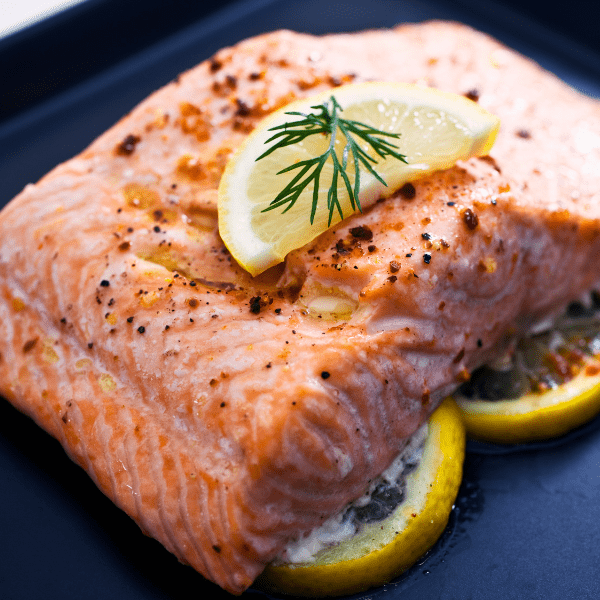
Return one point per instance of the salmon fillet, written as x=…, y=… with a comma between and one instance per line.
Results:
x=228, y=414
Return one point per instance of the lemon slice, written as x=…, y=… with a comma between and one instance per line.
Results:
x=544, y=387
x=436, y=129
x=536, y=415
x=383, y=549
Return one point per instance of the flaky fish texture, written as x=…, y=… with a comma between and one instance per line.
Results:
x=229, y=415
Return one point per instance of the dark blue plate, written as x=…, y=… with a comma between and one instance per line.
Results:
x=527, y=519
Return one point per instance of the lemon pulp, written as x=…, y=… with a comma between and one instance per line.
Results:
x=384, y=549
x=436, y=129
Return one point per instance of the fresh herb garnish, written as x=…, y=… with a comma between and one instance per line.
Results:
x=328, y=122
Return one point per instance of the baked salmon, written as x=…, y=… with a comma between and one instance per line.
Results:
x=229, y=415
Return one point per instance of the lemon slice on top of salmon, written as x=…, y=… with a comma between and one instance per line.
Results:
x=383, y=549
x=546, y=386
x=429, y=128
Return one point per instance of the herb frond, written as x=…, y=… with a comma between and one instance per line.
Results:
x=326, y=121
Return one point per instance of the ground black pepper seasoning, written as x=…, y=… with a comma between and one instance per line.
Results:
x=470, y=218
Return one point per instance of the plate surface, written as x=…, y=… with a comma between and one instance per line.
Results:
x=527, y=520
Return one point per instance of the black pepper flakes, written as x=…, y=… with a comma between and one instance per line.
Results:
x=127, y=146
x=255, y=305
x=104, y=283
x=470, y=218
x=130, y=319
x=408, y=191
x=524, y=134
x=426, y=236
x=341, y=248
x=426, y=258
x=215, y=65
x=459, y=356
x=371, y=248
x=362, y=232
x=156, y=229
x=325, y=374
x=141, y=329
x=472, y=95
x=243, y=109
x=28, y=346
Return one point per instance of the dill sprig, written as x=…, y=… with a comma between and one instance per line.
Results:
x=327, y=121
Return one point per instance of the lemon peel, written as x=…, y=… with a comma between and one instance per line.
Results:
x=436, y=129
x=385, y=549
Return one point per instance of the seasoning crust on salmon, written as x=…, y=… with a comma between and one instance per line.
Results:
x=229, y=415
